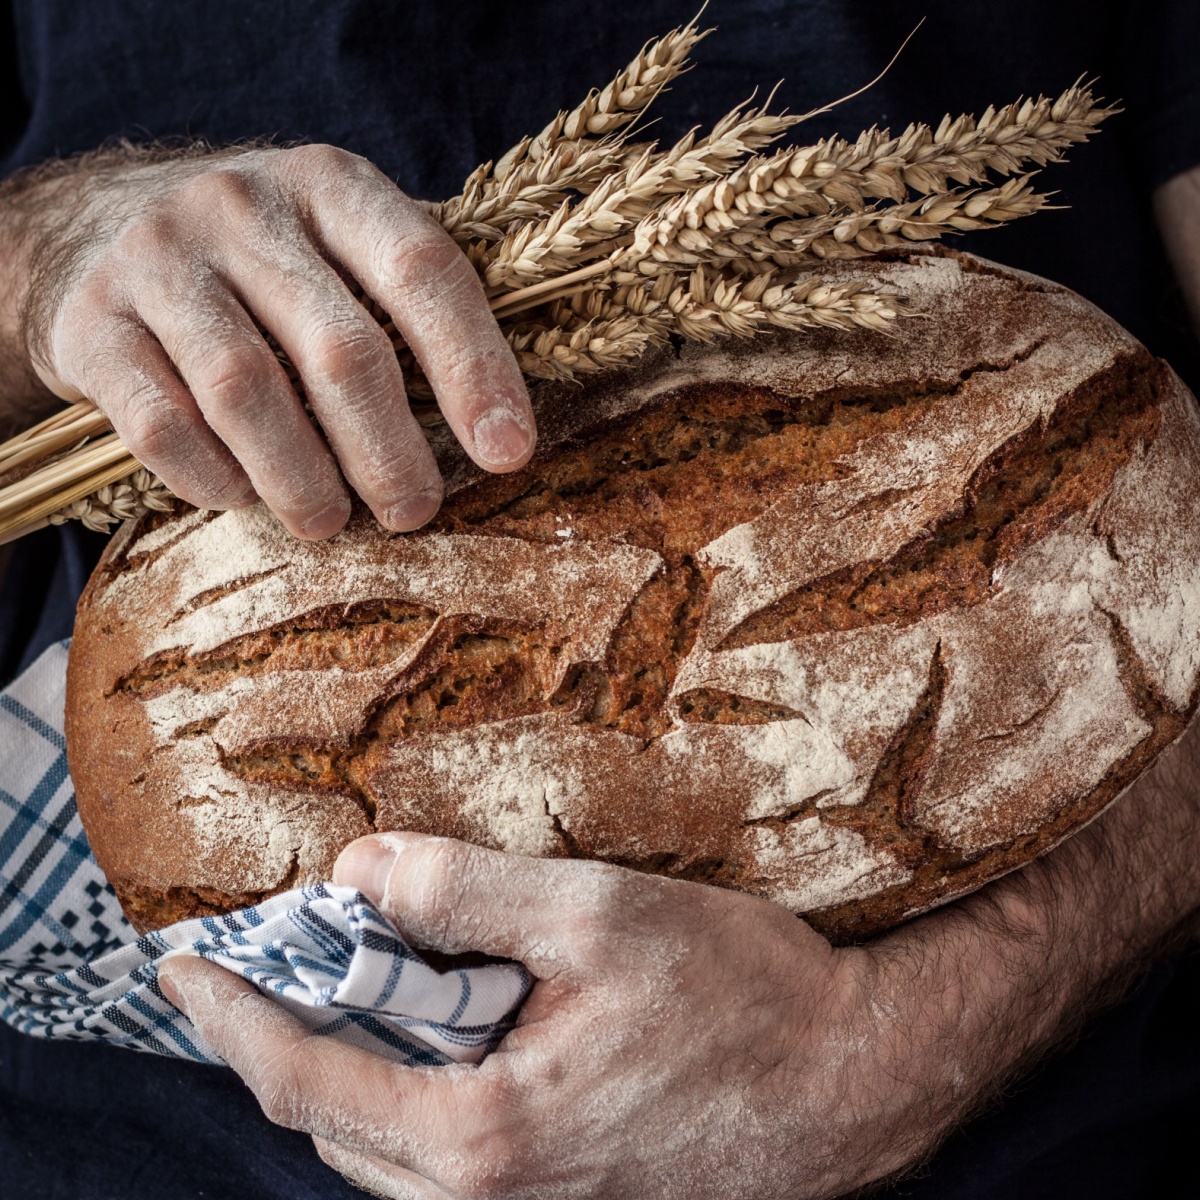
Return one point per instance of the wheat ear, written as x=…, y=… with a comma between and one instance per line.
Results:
x=574, y=152
x=594, y=248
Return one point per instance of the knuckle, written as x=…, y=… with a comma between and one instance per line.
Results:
x=233, y=379
x=278, y=1098
x=611, y=896
x=96, y=293
x=224, y=189
x=398, y=469
x=157, y=433
x=150, y=236
x=350, y=347
x=322, y=158
x=214, y=485
x=218, y=489
x=427, y=261
x=307, y=498
x=458, y=364
x=153, y=428
x=286, y=1080
x=441, y=882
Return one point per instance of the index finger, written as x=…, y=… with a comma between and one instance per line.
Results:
x=555, y=915
x=413, y=268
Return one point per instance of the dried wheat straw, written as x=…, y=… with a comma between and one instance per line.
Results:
x=596, y=332
x=594, y=248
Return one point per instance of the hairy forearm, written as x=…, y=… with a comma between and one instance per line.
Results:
x=23, y=198
x=53, y=198
x=988, y=985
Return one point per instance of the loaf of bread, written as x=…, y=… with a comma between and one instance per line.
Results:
x=854, y=622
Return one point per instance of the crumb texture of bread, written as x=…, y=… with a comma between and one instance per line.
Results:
x=856, y=623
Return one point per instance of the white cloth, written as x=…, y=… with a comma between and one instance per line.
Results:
x=71, y=966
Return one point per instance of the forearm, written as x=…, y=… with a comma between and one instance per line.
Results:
x=23, y=396
x=988, y=985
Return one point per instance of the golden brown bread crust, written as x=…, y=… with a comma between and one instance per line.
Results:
x=852, y=622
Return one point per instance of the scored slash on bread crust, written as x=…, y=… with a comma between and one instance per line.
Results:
x=851, y=622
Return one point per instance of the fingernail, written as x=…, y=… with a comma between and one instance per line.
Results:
x=328, y=521
x=366, y=865
x=501, y=437
x=167, y=986
x=415, y=511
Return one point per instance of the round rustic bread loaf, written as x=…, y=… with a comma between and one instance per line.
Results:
x=854, y=622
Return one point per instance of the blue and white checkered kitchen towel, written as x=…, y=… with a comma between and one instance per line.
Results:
x=71, y=966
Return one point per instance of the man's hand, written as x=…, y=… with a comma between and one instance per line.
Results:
x=146, y=285
x=683, y=1041
x=680, y=1041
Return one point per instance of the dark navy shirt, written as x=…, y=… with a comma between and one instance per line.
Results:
x=428, y=90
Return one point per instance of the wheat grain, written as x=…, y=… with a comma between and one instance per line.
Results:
x=596, y=331
x=813, y=200
x=576, y=231
x=593, y=248
x=534, y=176
x=132, y=496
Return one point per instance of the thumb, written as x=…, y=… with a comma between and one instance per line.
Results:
x=454, y=897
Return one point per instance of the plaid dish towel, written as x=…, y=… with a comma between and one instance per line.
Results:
x=72, y=967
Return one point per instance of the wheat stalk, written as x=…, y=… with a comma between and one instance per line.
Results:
x=532, y=178
x=597, y=332
x=594, y=248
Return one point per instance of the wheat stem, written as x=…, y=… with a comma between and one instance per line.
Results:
x=82, y=485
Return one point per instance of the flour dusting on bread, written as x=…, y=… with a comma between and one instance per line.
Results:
x=853, y=622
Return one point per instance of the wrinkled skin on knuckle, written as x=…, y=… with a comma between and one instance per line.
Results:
x=152, y=427
x=308, y=173
x=279, y=1102
x=464, y=369
x=391, y=472
x=278, y=1081
x=307, y=494
x=426, y=266
x=308, y=1086
x=234, y=380
x=349, y=351
x=155, y=432
x=441, y=881
x=221, y=486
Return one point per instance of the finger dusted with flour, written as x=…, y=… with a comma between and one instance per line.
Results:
x=412, y=268
x=158, y=284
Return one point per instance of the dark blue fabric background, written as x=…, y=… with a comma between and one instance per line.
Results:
x=428, y=90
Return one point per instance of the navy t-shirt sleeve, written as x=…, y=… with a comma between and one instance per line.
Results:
x=14, y=111
x=1161, y=87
